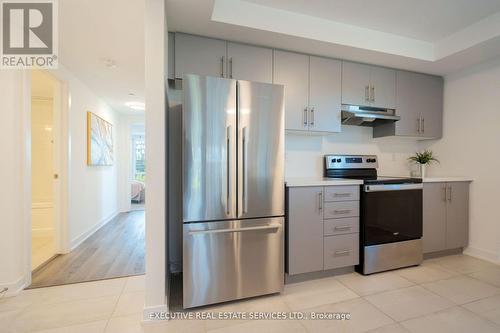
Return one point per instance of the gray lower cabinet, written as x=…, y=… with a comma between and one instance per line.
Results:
x=305, y=229
x=446, y=216
x=318, y=238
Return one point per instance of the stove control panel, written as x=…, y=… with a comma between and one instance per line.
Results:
x=351, y=162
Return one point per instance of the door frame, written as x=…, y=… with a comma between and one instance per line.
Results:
x=61, y=160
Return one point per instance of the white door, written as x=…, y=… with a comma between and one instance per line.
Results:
x=325, y=76
x=383, y=87
x=292, y=70
x=355, y=83
x=252, y=63
x=199, y=55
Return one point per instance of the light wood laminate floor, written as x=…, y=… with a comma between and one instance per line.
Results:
x=115, y=250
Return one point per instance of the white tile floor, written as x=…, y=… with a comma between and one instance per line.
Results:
x=450, y=294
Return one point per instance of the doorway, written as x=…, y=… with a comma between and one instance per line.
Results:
x=43, y=168
x=138, y=166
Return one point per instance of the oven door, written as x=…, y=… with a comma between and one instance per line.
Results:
x=391, y=213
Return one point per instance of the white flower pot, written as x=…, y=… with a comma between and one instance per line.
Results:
x=422, y=170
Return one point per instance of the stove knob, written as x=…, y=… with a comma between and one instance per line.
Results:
x=374, y=160
x=339, y=160
x=333, y=160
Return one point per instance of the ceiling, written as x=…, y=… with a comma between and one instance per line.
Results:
x=102, y=43
x=431, y=36
x=424, y=20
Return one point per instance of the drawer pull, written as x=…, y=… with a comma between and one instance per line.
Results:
x=342, y=211
x=341, y=253
x=342, y=194
x=343, y=228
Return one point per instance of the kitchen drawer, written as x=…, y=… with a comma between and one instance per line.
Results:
x=341, y=209
x=341, y=193
x=341, y=251
x=341, y=226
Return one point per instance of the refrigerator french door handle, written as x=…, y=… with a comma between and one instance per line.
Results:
x=229, y=172
x=245, y=169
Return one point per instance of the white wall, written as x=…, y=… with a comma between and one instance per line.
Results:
x=156, y=60
x=470, y=147
x=93, y=198
x=13, y=257
x=304, y=153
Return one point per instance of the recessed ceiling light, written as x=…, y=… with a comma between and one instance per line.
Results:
x=136, y=105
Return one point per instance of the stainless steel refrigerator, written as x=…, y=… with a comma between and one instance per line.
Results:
x=233, y=189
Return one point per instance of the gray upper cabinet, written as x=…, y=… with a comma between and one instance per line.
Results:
x=171, y=56
x=446, y=216
x=325, y=77
x=292, y=70
x=368, y=85
x=312, y=91
x=383, y=87
x=355, y=83
x=305, y=229
x=419, y=103
x=199, y=55
x=252, y=63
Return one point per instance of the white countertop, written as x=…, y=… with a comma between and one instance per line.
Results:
x=298, y=182
x=446, y=179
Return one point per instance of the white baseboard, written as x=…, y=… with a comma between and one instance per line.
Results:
x=14, y=288
x=42, y=232
x=487, y=255
x=80, y=239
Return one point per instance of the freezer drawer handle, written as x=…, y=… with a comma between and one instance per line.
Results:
x=219, y=231
x=344, y=228
x=342, y=211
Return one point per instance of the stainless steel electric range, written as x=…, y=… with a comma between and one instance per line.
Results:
x=390, y=213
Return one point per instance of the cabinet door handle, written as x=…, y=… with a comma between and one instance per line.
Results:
x=342, y=195
x=340, y=253
x=305, y=116
x=222, y=66
x=448, y=193
x=342, y=211
x=342, y=228
x=367, y=93
x=231, y=67
x=320, y=201
x=445, y=193
x=418, y=125
x=312, y=116
x=373, y=94
x=423, y=125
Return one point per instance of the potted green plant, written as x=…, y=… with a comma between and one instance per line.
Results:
x=423, y=159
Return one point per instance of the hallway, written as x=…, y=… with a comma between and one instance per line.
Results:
x=115, y=250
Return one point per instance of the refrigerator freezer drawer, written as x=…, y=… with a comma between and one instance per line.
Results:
x=229, y=260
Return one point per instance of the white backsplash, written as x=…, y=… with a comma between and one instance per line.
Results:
x=304, y=152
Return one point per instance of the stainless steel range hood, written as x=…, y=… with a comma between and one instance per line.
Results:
x=367, y=115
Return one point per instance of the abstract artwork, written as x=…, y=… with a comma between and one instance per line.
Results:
x=99, y=141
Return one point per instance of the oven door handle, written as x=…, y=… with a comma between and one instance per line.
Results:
x=392, y=187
